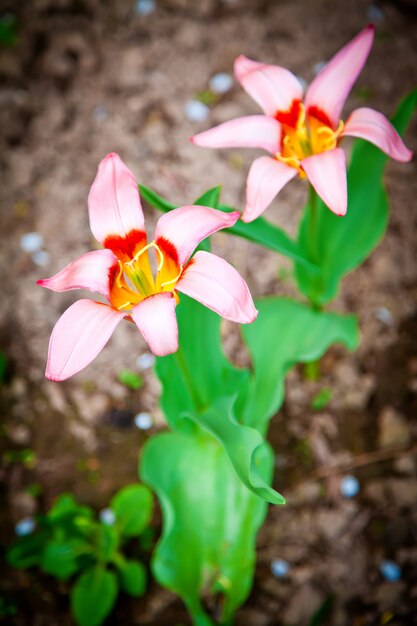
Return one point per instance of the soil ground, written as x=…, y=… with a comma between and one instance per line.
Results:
x=87, y=77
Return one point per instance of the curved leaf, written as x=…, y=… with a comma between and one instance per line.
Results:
x=343, y=243
x=285, y=333
x=242, y=444
x=132, y=577
x=210, y=521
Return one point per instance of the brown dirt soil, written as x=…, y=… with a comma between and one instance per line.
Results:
x=88, y=77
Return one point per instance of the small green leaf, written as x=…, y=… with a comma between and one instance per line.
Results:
x=107, y=542
x=321, y=399
x=27, y=551
x=66, y=505
x=3, y=366
x=132, y=577
x=60, y=559
x=130, y=379
x=133, y=507
x=93, y=596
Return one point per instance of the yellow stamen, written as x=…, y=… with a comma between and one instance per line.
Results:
x=174, y=280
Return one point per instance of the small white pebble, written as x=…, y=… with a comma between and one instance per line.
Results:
x=279, y=568
x=145, y=361
x=40, y=258
x=25, y=527
x=196, y=111
x=100, y=113
x=221, y=83
x=31, y=242
x=375, y=14
x=349, y=486
x=385, y=316
x=145, y=7
x=317, y=67
x=107, y=516
x=143, y=421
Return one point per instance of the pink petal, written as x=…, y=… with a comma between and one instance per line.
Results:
x=216, y=284
x=186, y=226
x=327, y=174
x=331, y=87
x=79, y=335
x=113, y=202
x=253, y=131
x=155, y=317
x=374, y=127
x=266, y=178
x=90, y=271
x=272, y=87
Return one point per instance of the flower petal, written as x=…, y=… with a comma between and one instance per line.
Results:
x=327, y=174
x=374, y=127
x=155, y=317
x=79, y=335
x=253, y=131
x=331, y=87
x=216, y=284
x=113, y=202
x=266, y=178
x=272, y=87
x=186, y=226
x=90, y=271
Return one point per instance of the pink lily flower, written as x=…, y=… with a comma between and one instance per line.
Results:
x=303, y=135
x=122, y=272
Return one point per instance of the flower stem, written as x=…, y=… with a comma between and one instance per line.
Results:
x=188, y=380
x=312, y=226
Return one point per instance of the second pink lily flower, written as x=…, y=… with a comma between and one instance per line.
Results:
x=122, y=272
x=303, y=135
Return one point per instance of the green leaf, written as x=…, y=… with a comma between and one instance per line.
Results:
x=60, y=559
x=132, y=577
x=264, y=233
x=66, y=506
x=154, y=199
x=27, y=551
x=93, y=596
x=343, y=243
x=130, y=379
x=243, y=445
x=321, y=399
x=259, y=231
x=107, y=542
x=210, y=521
x=285, y=333
x=133, y=507
x=199, y=371
x=210, y=198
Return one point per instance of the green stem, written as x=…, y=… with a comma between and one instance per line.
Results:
x=312, y=226
x=188, y=379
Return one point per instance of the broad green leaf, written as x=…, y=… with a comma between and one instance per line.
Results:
x=285, y=333
x=259, y=231
x=133, y=506
x=243, y=445
x=93, y=596
x=60, y=558
x=210, y=521
x=199, y=370
x=343, y=243
x=132, y=577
